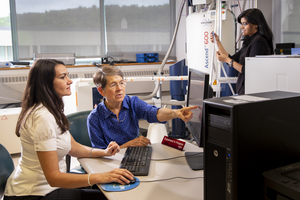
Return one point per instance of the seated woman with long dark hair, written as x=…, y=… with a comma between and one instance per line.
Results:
x=45, y=138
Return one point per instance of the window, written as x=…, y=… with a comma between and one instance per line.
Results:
x=137, y=26
x=5, y=31
x=70, y=26
x=93, y=28
x=288, y=13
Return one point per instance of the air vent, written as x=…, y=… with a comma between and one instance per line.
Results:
x=13, y=79
x=89, y=75
x=144, y=73
x=72, y=76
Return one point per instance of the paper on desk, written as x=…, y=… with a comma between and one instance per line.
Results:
x=250, y=98
x=245, y=99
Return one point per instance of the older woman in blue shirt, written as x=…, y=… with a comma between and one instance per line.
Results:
x=117, y=117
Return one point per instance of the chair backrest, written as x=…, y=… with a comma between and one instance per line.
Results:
x=78, y=127
x=6, y=168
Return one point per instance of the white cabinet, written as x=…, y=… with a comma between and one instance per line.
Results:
x=8, y=121
x=270, y=73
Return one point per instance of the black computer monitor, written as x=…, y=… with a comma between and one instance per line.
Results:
x=198, y=90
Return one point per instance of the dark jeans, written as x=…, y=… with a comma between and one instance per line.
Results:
x=64, y=194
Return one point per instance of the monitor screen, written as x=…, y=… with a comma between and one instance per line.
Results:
x=198, y=90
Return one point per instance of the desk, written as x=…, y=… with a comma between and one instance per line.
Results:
x=172, y=189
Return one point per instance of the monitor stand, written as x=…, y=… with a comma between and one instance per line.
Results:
x=195, y=160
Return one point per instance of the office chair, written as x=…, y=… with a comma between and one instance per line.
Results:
x=78, y=129
x=6, y=168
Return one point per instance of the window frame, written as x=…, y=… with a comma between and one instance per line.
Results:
x=15, y=46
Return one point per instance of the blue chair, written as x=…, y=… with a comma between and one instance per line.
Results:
x=6, y=168
x=78, y=129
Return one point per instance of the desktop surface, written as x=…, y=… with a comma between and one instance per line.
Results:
x=178, y=188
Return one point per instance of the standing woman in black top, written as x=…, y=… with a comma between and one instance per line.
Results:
x=258, y=40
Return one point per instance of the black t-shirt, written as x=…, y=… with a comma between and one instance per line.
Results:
x=254, y=45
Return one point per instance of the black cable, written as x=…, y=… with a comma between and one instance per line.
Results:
x=12, y=104
x=111, y=61
x=177, y=157
x=166, y=179
x=97, y=64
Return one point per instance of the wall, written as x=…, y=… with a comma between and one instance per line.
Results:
x=265, y=6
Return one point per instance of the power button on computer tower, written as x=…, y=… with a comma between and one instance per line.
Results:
x=216, y=153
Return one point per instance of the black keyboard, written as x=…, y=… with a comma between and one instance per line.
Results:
x=137, y=160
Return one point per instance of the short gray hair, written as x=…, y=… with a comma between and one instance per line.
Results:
x=99, y=78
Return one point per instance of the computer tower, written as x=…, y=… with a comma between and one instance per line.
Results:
x=244, y=136
x=282, y=183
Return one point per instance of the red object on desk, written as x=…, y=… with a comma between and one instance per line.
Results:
x=178, y=144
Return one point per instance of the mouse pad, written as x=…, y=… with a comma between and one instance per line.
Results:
x=116, y=187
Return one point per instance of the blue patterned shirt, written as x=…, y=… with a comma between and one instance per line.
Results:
x=103, y=126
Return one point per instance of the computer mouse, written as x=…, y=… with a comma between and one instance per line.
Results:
x=132, y=181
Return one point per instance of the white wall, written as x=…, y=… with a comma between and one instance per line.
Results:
x=266, y=7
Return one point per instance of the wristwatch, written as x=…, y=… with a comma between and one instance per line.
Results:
x=230, y=64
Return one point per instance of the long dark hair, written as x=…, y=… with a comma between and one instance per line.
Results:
x=40, y=90
x=255, y=16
